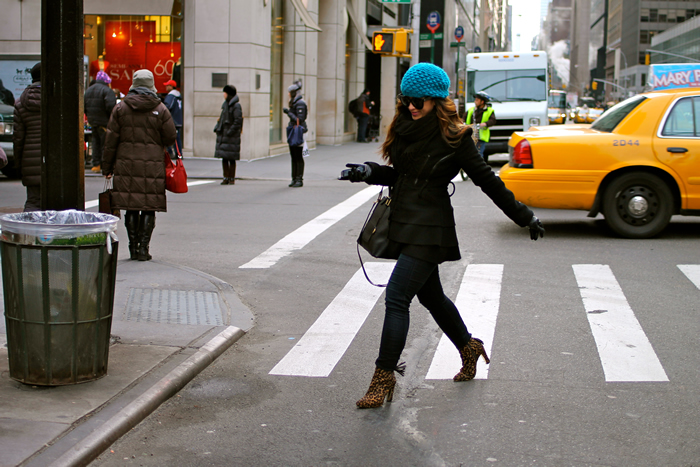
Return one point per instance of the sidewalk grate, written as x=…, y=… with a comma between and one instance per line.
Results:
x=173, y=307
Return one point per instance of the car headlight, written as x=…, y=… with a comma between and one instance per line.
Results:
x=534, y=121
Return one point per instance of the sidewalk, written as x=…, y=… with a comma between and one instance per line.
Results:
x=156, y=348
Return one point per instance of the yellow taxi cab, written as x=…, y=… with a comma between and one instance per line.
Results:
x=638, y=164
x=587, y=112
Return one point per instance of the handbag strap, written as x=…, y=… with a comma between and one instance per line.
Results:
x=362, y=264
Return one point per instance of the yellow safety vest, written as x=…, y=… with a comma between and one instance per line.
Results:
x=484, y=132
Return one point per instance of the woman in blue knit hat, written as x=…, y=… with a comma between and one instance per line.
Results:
x=426, y=146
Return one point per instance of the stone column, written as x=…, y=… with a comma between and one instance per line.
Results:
x=333, y=20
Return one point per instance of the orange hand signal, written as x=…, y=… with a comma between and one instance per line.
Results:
x=378, y=42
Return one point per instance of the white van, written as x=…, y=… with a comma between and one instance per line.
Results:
x=517, y=83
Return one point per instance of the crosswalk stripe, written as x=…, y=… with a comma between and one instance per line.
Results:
x=323, y=345
x=307, y=232
x=624, y=350
x=692, y=272
x=478, y=301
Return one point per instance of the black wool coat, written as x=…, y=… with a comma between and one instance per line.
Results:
x=26, y=139
x=422, y=218
x=228, y=130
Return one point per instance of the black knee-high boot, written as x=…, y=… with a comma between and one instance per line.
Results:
x=131, y=222
x=232, y=173
x=147, y=223
x=224, y=166
x=294, y=172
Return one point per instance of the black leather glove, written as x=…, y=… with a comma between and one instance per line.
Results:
x=356, y=172
x=536, y=228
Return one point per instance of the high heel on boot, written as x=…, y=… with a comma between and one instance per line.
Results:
x=382, y=386
x=470, y=353
x=146, y=225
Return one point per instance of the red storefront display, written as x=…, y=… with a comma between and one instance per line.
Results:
x=131, y=46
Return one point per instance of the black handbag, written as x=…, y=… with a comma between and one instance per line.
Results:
x=374, y=236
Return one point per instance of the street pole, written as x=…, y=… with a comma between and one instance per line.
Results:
x=62, y=76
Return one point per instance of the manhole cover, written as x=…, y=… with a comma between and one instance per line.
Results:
x=174, y=307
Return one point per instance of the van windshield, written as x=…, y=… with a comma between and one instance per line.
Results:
x=613, y=116
x=508, y=85
x=557, y=101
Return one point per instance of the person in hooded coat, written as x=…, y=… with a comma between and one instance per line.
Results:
x=228, y=134
x=26, y=139
x=297, y=113
x=140, y=129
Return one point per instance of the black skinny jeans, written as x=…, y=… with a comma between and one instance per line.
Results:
x=411, y=277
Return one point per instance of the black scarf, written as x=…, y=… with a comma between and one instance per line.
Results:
x=412, y=138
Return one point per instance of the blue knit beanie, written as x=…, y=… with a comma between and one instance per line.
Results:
x=425, y=80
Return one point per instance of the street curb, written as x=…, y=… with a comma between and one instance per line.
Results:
x=100, y=439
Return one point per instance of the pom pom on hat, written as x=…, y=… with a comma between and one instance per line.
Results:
x=102, y=76
x=295, y=87
x=425, y=80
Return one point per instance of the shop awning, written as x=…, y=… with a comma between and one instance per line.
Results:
x=358, y=26
x=128, y=7
x=305, y=15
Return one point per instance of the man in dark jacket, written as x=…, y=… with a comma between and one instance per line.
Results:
x=26, y=139
x=173, y=101
x=364, y=104
x=99, y=102
x=6, y=96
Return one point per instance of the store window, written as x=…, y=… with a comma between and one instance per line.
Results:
x=277, y=91
x=121, y=44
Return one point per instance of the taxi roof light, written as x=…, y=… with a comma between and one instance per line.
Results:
x=522, y=154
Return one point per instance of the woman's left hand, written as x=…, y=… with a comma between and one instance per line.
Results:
x=108, y=176
x=536, y=228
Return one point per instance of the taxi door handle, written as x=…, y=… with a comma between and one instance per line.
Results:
x=677, y=150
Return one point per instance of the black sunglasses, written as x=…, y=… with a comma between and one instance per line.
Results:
x=416, y=101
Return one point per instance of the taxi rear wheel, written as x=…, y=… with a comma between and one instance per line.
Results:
x=637, y=205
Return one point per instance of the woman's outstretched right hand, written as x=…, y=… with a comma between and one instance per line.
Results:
x=356, y=173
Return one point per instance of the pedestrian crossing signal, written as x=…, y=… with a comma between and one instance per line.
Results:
x=383, y=43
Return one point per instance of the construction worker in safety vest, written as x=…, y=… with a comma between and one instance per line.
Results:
x=483, y=115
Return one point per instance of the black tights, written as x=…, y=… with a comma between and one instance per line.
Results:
x=229, y=168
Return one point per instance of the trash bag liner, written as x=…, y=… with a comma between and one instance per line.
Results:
x=70, y=227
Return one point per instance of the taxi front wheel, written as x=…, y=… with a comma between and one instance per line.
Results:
x=637, y=205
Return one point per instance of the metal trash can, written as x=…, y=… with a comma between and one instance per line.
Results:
x=59, y=270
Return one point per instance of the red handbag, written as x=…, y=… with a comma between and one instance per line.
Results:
x=175, y=175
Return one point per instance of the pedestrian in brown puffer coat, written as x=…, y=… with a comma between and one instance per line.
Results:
x=137, y=134
x=26, y=139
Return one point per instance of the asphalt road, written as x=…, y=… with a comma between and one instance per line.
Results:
x=594, y=348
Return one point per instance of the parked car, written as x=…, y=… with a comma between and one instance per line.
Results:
x=638, y=164
x=7, y=115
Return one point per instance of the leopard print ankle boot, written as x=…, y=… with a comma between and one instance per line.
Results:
x=470, y=353
x=382, y=385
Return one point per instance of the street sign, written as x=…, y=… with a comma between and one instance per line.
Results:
x=457, y=44
x=397, y=1
x=459, y=33
x=427, y=37
x=433, y=21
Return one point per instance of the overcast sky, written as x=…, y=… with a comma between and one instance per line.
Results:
x=526, y=22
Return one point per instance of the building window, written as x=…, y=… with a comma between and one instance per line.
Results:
x=643, y=81
x=644, y=37
x=653, y=15
x=644, y=15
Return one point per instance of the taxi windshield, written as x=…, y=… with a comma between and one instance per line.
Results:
x=611, y=118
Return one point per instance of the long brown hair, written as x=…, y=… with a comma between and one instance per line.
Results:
x=452, y=128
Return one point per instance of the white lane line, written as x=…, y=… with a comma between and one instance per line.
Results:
x=322, y=346
x=624, y=350
x=307, y=232
x=478, y=300
x=692, y=272
x=94, y=203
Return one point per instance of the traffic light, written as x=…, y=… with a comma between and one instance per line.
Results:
x=594, y=85
x=392, y=42
x=383, y=43
x=647, y=58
